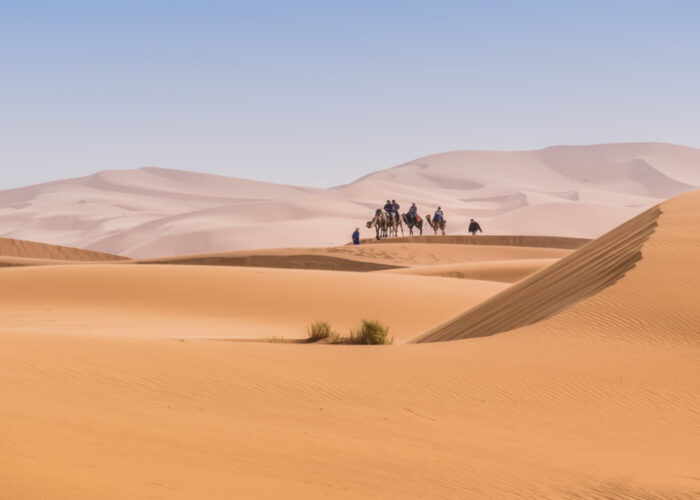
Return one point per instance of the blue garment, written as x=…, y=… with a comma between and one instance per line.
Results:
x=356, y=237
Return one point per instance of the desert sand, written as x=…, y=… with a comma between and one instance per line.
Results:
x=572, y=191
x=135, y=380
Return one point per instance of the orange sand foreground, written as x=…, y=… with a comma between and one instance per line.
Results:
x=118, y=381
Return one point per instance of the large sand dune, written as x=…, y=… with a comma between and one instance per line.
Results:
x=562, y=191
x=585, y=272
x=113, y=393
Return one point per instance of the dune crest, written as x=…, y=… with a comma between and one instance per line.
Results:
x=572, y=191
x=585, y=272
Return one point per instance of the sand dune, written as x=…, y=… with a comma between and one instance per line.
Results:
x=585, y=272
x=578, y=192
x=507, y=271
x=386, y=254
x=34, y=250
x=223, y=302
x=597, y=401
x=490, y=240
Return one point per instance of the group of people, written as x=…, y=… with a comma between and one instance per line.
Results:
x=392, y=210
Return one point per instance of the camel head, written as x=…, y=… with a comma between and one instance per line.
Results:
x=369, y=224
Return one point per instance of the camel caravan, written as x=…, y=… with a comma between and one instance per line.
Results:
x=389, y=221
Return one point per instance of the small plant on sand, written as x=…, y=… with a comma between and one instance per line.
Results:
x=371, y=332
x=276, y=340
x=320, y=330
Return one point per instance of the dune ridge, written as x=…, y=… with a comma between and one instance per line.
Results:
x=579, y=192
x=593, y=267
x=488, y=239
x=294, y=261
x=33, y=250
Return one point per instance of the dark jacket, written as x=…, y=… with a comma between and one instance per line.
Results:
x=356, y=237
x=388, y=207
x=395, y=207
x=413, y=210
x=474, y=226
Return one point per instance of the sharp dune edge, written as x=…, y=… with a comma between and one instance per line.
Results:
x=600, y=400
x=590, y=269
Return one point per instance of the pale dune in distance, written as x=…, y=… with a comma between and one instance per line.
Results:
x=574, y=191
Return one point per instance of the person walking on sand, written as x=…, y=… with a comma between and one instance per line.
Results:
x=356, y=236
x=474, y=227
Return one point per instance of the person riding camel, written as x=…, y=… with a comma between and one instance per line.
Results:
x=395, y=207
x=439, y=216
x=474, y=227
x=389, y=209
x=413, y=213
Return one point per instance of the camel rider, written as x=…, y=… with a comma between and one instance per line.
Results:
x=474, y=227
x=389, y=209
x=439, y=216
x=413, y=213
x=395, y=207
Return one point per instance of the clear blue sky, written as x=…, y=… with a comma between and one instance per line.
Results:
x=321, y=92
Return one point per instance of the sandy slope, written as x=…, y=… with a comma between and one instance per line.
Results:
x=223, y=302
x=508, y=271
x=33, y=250
x=582, y=274
x=372, y=256
x=151, y=212
x=600, y=400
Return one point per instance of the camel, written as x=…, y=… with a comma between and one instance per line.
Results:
x=418, y=224
x=436, y=225
x=394, y=223
x=380, y=222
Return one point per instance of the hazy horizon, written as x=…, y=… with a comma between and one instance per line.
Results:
x=314, y=94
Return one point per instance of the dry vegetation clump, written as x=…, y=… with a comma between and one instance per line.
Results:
x=320, y=330
x=370, y=333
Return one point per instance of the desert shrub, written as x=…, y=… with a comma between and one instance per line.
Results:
x=276, y=340
x=320, y=330
x=371, y=332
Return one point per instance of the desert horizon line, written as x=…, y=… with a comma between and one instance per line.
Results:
x=361, y=176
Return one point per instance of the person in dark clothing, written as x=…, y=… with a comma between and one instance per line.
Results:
x=356, y=236
x=439, y=216
x=395, y=207
x=388, y=208
x=474, y=227
x=412, y=213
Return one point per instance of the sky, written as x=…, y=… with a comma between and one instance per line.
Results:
x=321, y=92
